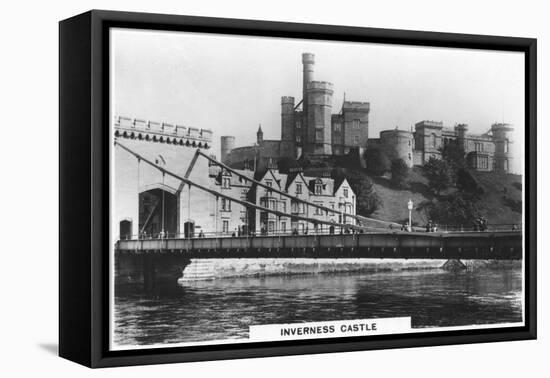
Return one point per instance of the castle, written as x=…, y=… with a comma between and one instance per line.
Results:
x=309, y=130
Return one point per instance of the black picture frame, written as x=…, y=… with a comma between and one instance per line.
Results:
x=84, y=193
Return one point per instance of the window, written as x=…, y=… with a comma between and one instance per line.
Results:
x=270, y=185
x=337, y=127
x=356, y=124
x=410, y=157
x=283, y=207
x=298, y=124
x=346, y=193
x=226, y=182
x=294, y=206
x=283, y=227
x=298, y=139
x=225, y=226
x=356, y=139
x=271, y=226
x=318, y=211
x=272, y=205
x=298, y=188
x=225, y=205
x=318, y=189
x=434, y=141
x=319, y=135
x=506, y=146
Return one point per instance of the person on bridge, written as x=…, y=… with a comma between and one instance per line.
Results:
x=201, y=234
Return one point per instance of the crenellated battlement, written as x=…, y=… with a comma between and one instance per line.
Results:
x=287, y=100
x=135, y=128
x=356, y=106
x=320, y=85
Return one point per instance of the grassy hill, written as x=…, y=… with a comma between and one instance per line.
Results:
x=499, y=202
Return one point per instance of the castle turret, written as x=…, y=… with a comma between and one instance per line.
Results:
x=398, y=144
x=502, y=137
x=227, y=144
x=260, y=136
x=319, y=116
x=461, y=130
x=288, y=139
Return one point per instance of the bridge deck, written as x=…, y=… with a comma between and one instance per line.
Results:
x=465, y=245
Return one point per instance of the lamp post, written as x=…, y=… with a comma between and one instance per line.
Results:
x=410, y=207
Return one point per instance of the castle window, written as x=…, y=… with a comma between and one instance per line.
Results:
x=337, y=127
x=410, y=157
x=356, y=139
x=298, y=139
x=434, y=141
x=356, y=124
x=298, y=124
x=506, y=146
x=319, y=135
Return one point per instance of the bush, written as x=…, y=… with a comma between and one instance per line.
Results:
x=399, y=172
x=377, y=161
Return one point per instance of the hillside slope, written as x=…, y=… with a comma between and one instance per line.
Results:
x=500, y=201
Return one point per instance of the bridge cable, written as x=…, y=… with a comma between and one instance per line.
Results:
x=236, y=200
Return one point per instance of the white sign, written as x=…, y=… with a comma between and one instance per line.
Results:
x=320, y=330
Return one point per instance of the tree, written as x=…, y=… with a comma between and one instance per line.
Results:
x=467, y=184
x=453, y=154
x=377, y=161
x=399, y=172
x=439, y=174
x=367, y=200
x=454, y=209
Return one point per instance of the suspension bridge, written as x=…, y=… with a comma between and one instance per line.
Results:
x=149, y=253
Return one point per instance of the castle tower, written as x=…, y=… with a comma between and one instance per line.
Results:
x=461, y=130
x=308, y=63
x=502, y=137
x=288, y=139
x=319, y=118
x=398, y=144
x=227, y=144
x=260, y=136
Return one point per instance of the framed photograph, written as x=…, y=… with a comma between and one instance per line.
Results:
x=235, y=188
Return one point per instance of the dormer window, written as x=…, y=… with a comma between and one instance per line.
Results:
x=318, y=189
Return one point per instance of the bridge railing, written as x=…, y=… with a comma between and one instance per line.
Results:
x=321, y=231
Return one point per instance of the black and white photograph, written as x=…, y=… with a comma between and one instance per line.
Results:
x=270, y=189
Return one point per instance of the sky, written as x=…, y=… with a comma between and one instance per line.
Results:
x=231, y=84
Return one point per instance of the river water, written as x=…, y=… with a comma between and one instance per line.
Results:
x=225, y=308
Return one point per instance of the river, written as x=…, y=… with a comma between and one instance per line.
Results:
x=225, y=308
